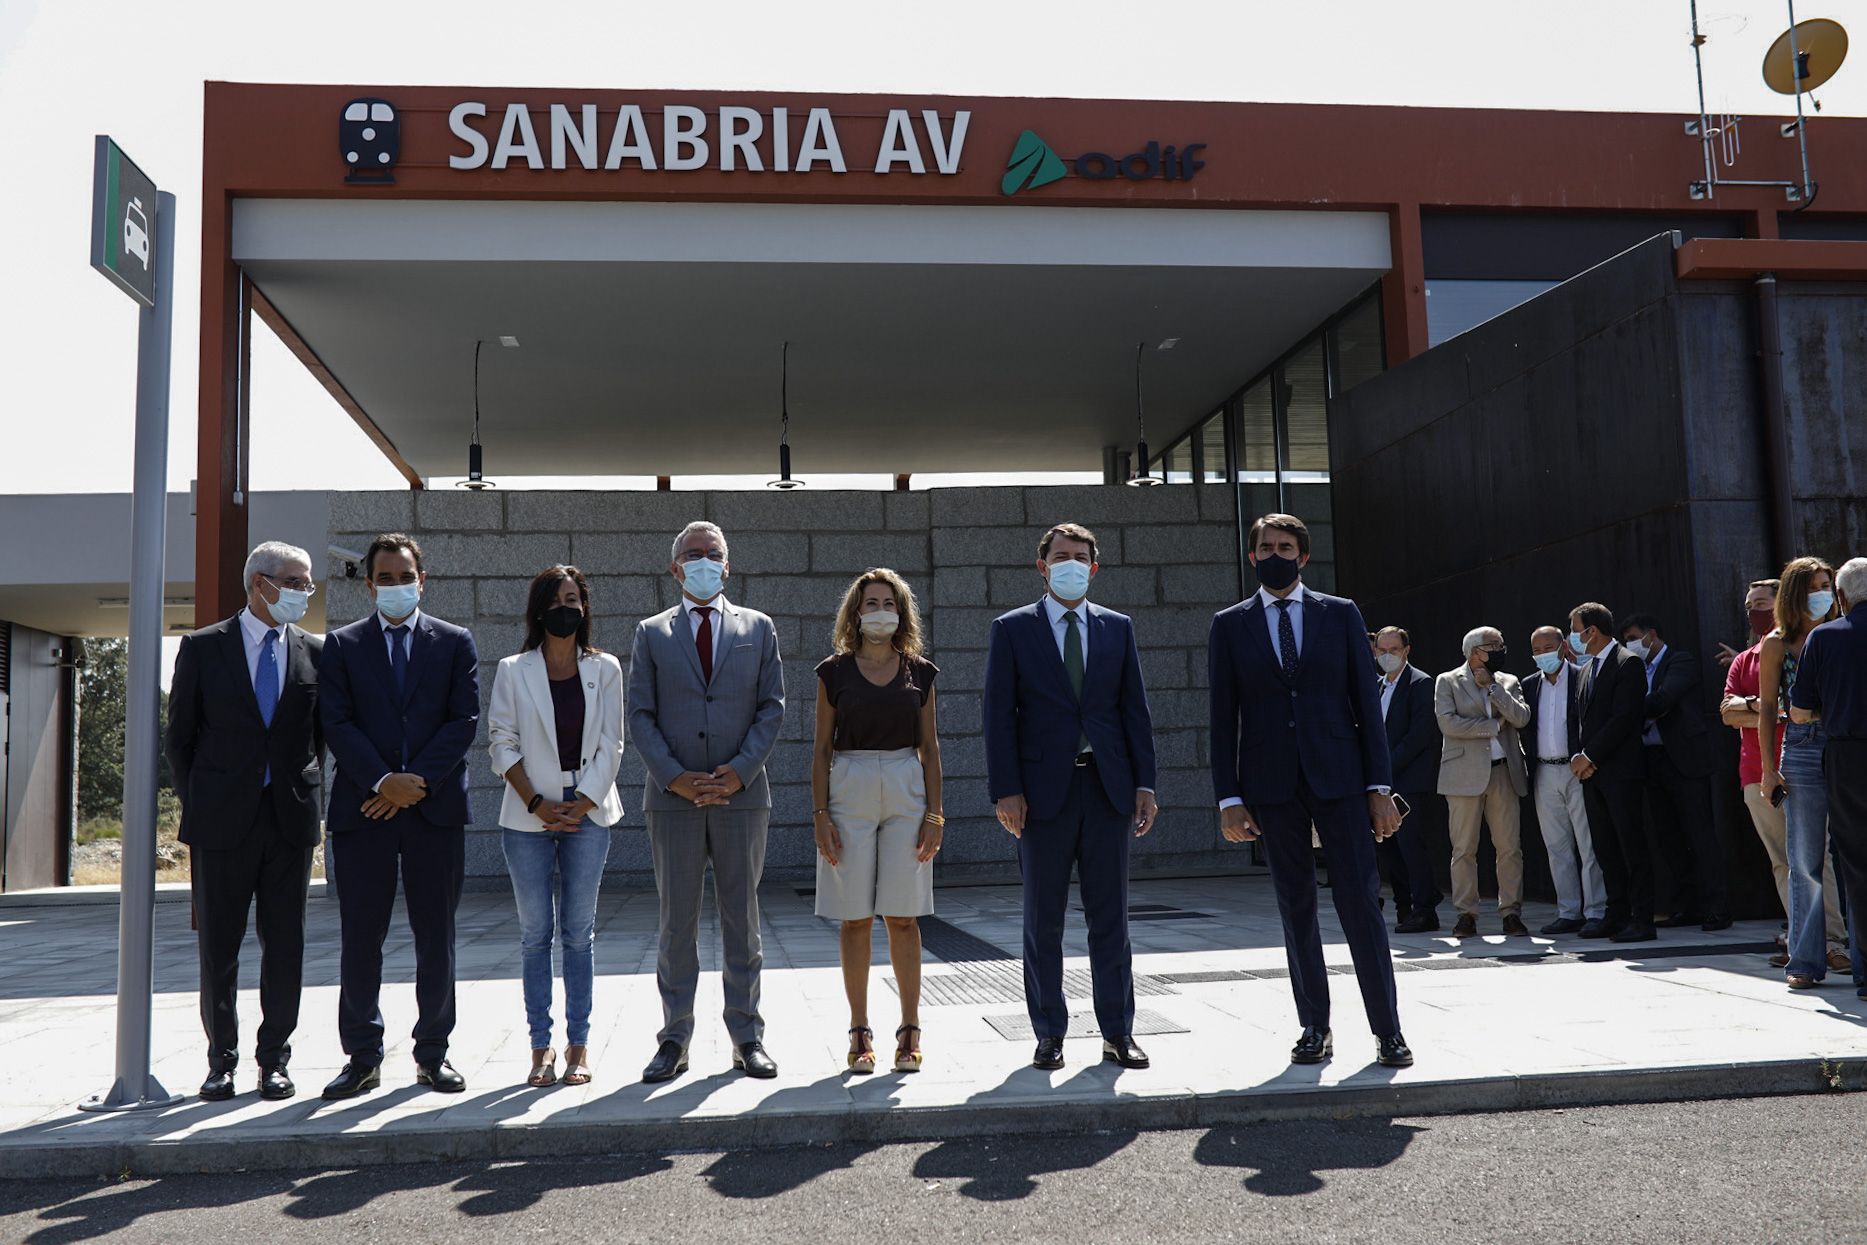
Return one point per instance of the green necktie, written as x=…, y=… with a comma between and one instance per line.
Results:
x=1073, y=664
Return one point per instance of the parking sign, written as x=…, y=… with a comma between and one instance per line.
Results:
x=123, y=232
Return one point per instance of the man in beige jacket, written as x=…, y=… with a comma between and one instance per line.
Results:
x=1481, y=774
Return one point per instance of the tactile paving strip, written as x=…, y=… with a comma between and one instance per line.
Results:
x=1083, y=1025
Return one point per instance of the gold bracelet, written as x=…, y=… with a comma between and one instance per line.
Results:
x=934, y=819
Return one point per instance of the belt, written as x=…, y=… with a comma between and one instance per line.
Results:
x=1085, y=759
x=1552, y=760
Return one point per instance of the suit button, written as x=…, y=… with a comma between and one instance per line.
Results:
x=1292, y=725
x=703, y=734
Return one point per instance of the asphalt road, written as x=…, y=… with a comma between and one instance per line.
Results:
x=1780, y=1169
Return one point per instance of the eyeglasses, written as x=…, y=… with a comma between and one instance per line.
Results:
x=1496, y=650
x=296, y=585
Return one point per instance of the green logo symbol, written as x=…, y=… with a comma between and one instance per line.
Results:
x=1032, y=164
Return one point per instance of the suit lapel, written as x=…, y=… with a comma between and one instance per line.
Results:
x=420, y=652
x=296, y=669
x=1258, y=622
x=538, y=684
x=1045, y=637
x=726, y=620
x=234, y=649
x=1314, y=618
x=1101, y=641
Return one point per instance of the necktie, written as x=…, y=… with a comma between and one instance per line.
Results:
x=703, y=641
x=398, y=657
x=1073, y=664
x=266, y=685
x=1287, y=639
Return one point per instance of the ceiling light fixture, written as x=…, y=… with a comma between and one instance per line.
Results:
x=784, y=479
x=476, y=474
x=1140, y=478
x=1168, y=343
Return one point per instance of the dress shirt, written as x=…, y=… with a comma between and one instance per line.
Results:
x=253, y=637
x=1745, y=679
x=1650, y=734
x=694, y=616
x=1497, y=742
x=1388, y=683
x=407, y=640
x=1552, y=715
x=1268, y=604
x=1054, y=610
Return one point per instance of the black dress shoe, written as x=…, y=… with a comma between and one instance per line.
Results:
x=669, y=1062
x=1314, y=1046
x=1564, y=925
x=1678, y=920
x=1392, y=1052
x=1598, y=927
x=217, y=1088
x=1049, y=1056
x=1466, y=926
x=1514, y=926
x=275, y=1084
x=355, y=1079
x=440, y=1077
x=1632, y=932
x=1420, y=921
x=1123, y=1051
x=751, y=1059
x=1716, y=921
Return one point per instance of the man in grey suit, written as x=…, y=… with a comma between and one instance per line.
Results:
x=1480, y=710
x=706, y=697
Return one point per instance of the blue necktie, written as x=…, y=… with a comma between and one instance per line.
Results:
x=1287, y=639
x=398, y=657
x=266, y=684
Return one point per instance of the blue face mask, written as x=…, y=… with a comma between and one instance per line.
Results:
x=1820, y=603
x=1069, y=581
x=702, y=578
x=1548, y=663
x=394, y=601
x=1577, y=644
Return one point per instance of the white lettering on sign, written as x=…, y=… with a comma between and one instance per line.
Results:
x=743, y=139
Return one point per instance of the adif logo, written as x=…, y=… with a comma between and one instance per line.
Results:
x=1034, y=164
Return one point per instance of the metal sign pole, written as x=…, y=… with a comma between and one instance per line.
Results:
x=136, y=1086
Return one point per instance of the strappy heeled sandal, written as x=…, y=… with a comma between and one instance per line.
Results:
x=544, y=1071
x=907, y=1050
x=577, y=1069
x=862, y=1057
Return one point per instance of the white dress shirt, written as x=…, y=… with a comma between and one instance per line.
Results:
x=1388, y=683
x=694, y=618
x=253, y=638
x=1061, y=630
x=1552, y=715
x=1268, y=604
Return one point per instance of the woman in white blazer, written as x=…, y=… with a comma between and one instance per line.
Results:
x=556, y=732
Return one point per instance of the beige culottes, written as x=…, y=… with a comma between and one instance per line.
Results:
x=877, y=800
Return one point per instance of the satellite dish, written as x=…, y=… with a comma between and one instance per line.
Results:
x=1820, y=45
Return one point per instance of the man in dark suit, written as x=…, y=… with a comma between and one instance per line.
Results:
x=1070, y=762
x=1413, y=760
x=1676, y=741
x=401, y=704
x=1297, y=739
x=1613, y=705
x=247, y=751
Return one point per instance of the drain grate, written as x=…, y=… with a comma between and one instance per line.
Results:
x=1003, y=982
x=949, y=942
x=1083, y=1025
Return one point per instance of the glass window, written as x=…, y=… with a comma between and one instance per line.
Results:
x=1452, y=307
x=1177, y=462
x=1358, y=349
x=1212, y=449
x=1303, y=388
x=1257, y=434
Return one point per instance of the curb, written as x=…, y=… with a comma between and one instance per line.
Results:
x=77, y=1158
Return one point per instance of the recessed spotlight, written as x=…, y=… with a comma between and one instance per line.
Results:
x=1168, y=343
x=509, y=342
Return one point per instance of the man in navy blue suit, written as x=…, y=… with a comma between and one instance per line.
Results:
x=400, y=702
x=1298, y=741
x=1070, y=763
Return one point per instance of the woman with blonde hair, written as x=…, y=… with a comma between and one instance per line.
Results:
x=875, y=779
x=1805, y=599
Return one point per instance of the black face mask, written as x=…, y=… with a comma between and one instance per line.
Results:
x=1277, y=573
x=563, y=621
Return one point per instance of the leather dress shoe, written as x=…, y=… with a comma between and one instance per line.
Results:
x=275, y=1083
x=1419, y=921
x=751, y=1059
x=1780, y=960
x=1467, y=926
x=440, y=1077
x=1563, y=925
x=1392, y=1052
x=1049, y=1056
x=218, y=1087
x=1124, y=1052
x=355, y=1079
x=1514, y=926
x=1598, y=927
x=1716, y=921
x=1838, y=960
x=1314, y=1046
x=1678, y=920
x=669, y=1062
x=1632, y=932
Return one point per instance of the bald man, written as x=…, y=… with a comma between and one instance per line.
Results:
x=1554, y=736
x=1480, y=710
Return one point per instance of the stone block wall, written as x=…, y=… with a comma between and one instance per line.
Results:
x=1168, y=559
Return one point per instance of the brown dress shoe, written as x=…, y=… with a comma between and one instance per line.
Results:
x=1838, y=960
x=1467, y=926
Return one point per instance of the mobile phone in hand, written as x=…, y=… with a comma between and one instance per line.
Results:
x=1777, y=796
x=1400, y=803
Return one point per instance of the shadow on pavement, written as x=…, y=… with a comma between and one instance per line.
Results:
x=1005, y=1170
x=1286, y=1162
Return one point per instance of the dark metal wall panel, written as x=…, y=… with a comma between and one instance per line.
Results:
x=38, y=763
x=1527, y=246
x=1825, y=376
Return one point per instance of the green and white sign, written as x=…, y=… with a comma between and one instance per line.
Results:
x=123, y=230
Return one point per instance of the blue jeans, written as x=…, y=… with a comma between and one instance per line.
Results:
x=555, y=876
x=1806, y=839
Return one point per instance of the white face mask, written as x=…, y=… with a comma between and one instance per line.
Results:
x=1638, y=648
x=1389, y=662
x=291, y=605
x=880, y=625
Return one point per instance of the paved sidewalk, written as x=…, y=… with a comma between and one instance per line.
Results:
x=1495, y=1023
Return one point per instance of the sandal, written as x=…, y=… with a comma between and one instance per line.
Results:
x=907, y=1049
x=577, y=1070
x=544, y=1068
x=862, y=1051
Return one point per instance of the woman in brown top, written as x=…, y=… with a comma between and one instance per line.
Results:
x=875, y=777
